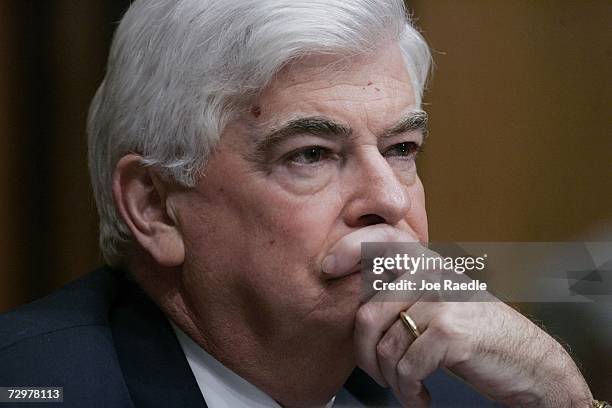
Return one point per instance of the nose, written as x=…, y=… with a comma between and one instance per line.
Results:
x=375, y=193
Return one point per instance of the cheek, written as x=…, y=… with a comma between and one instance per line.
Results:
x=270, y=234
x=297, y=229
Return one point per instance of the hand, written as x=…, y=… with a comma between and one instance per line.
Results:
x=488, y=344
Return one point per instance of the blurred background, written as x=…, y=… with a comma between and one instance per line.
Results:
x=520, y=145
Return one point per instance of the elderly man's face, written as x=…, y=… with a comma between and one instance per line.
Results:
x=318, y=156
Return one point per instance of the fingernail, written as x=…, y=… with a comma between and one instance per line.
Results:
x=328, y=264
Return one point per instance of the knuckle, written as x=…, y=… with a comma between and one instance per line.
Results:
x=390, y=234
x=404, y=370
x=462, y=355
x=461, y=342
x=447, y=327
x=366, y=317
x=387, y=348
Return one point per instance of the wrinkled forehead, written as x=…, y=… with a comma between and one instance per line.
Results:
x=316, y=70
x=376, y=84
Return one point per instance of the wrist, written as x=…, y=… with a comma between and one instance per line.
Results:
x=559, y=383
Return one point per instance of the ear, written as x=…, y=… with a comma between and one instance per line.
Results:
x=142, y=200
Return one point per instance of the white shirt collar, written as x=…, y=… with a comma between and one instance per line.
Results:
x=220, y=386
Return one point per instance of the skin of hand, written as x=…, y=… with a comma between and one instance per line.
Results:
x=487, y=343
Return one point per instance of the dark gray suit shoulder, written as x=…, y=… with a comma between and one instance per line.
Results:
x=63, y=340
x=82, y=302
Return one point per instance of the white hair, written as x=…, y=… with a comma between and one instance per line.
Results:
x=178, y=69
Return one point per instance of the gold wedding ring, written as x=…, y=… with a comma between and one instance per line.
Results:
x=410, y=324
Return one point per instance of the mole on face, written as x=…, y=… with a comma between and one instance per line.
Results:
x=255, y=110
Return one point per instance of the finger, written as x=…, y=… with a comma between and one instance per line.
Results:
x=421, y=314
x=420, y=360
x=390, y=349
x=398, y=338
x=372, y=321
x=345, y=255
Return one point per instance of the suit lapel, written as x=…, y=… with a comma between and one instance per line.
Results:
x=154, y=367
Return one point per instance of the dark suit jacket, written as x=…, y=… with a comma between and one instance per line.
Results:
x=108, y=345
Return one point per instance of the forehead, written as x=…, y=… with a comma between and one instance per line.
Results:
x=375, y=86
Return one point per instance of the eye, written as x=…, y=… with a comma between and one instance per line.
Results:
x=309, y=155
x=404, y=149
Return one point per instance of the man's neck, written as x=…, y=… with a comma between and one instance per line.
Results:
x=219, y=385
x=294, y=368
x=306, y=370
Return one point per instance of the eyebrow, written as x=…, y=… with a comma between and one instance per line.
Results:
x=313, y=125
x=329, y=129
x=412, y=121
